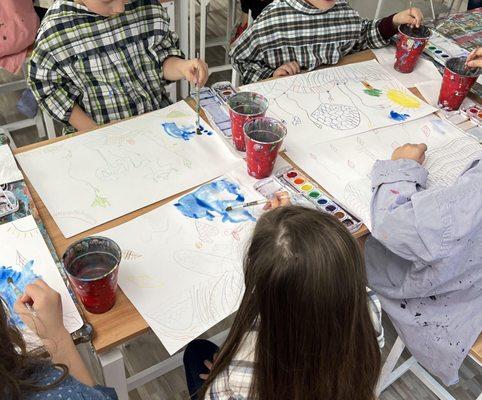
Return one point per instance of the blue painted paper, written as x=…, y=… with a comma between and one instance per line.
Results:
x=211, y=200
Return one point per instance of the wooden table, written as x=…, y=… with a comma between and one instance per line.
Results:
x=123, y=322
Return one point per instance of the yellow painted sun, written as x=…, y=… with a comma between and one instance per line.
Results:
x=403, y=99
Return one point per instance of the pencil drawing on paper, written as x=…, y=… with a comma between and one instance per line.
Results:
x=131, y=164
x=336, y=102
x=198, y=280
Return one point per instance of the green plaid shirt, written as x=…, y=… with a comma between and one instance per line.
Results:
x=111, y=67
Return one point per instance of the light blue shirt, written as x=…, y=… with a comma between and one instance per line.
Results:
x=424, y=261
x=69, y=389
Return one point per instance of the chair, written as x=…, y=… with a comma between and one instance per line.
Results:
x=389, y=374
x=234, y=73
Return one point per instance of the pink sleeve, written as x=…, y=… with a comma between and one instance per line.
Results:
x=18, y=27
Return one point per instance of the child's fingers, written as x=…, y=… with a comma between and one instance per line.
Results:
x=203, y=376
x=208, y=364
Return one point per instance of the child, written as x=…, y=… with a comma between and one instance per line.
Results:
x=18, y=26
x=25, y=376
x=294, y=35
x=304, y=329
x=424, y=258
x=98, y=61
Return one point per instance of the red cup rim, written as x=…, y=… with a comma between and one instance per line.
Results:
x=413, y=37
x=266, y=119
x=98, y=277
x=248, y=115
x=458, y=73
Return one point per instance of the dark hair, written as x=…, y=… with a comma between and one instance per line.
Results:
x=305, y=292
x=19, y=369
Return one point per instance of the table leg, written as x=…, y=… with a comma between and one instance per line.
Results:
x=112, y=363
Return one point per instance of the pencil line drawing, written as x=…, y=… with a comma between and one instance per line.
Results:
x=343, y=166
x=197, y=280
x=8, y=169
x=337, y=102
x=130, y=165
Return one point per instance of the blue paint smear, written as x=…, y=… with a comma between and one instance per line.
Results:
x=173, y=130
x=398, y=117
x=20, y=279
x=207, y=202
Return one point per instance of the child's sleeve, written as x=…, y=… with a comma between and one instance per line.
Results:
x=375, y=34
x=422, y=225
x=168, y=47
x=53, y=89
x=248, y=60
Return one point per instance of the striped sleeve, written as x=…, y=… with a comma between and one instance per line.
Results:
x=54, y=91
x=375, y=309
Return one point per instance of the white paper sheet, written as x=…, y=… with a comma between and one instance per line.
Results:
x=343, y=166
x=25, y=257
x=184, y=274
x=337, y=102
x=424, y=71
x=9, y=171
x=101, y=175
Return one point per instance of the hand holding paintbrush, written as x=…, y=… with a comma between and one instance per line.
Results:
x=278, y=200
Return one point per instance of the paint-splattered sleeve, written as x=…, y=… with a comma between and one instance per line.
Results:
x=423, y=225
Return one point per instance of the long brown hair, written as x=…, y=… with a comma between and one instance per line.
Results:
x=19, y=369
x=305, y=293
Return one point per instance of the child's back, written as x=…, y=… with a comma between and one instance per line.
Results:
x=294, y=30
x=112, y=67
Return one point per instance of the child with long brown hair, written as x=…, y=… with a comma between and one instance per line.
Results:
x=25, y=376
x=304, y=329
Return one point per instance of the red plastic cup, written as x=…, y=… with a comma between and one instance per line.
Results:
x=264, y=137
x=92, y=266
x=456, y=83
x=243, y=107
x=410, y=44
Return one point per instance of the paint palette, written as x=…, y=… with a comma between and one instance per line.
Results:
x=305, y=193
x=441, y=49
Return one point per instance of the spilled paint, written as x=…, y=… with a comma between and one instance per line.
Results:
x=373, y=92
x=398, y=117
x=20, y=279
x=211, y=200
x=178, y=132
x=403, y=99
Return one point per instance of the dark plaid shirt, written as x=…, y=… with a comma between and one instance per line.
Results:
x=111, y=67
x=294, y=30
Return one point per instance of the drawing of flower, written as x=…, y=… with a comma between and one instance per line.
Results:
x=100, y=201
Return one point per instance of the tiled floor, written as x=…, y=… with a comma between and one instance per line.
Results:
x=147, y=350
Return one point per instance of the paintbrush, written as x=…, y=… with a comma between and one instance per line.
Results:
x=198, y=103
x=19, y=293
x=252, y=203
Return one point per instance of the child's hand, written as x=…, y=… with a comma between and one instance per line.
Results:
x=280, y=199
x=410, y=151
x=412, y=16
x=47, y=322
x=291, y=68
x=195, y=71
x=474, y=59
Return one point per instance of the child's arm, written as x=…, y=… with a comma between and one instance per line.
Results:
x=54, y=91
x=417, y=224
x=247, y=58
x=194, y=71
x=377, y=33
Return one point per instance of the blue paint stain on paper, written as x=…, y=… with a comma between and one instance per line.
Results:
x=20, y=279
x=179, y=132
x=211, y=200
x=398, y=117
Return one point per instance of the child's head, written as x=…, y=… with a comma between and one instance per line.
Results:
x=305, y=289
x=322, y=4
x=106, y=8
x=18, y=368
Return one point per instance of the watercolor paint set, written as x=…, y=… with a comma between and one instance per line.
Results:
x=468, y=119
x=441, y=49
x=474, y=113
x=305, y=193
x=224, y=90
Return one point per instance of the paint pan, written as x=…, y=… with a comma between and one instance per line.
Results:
x=310, y=191
x=244, y=107
x=264, y=137
x=474, y=113
x=456, y=82
x=224, y=90
x=92, y=266
x=410, y=45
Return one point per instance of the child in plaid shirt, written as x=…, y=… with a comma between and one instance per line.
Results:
x=294, y=35
x=98, y=61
